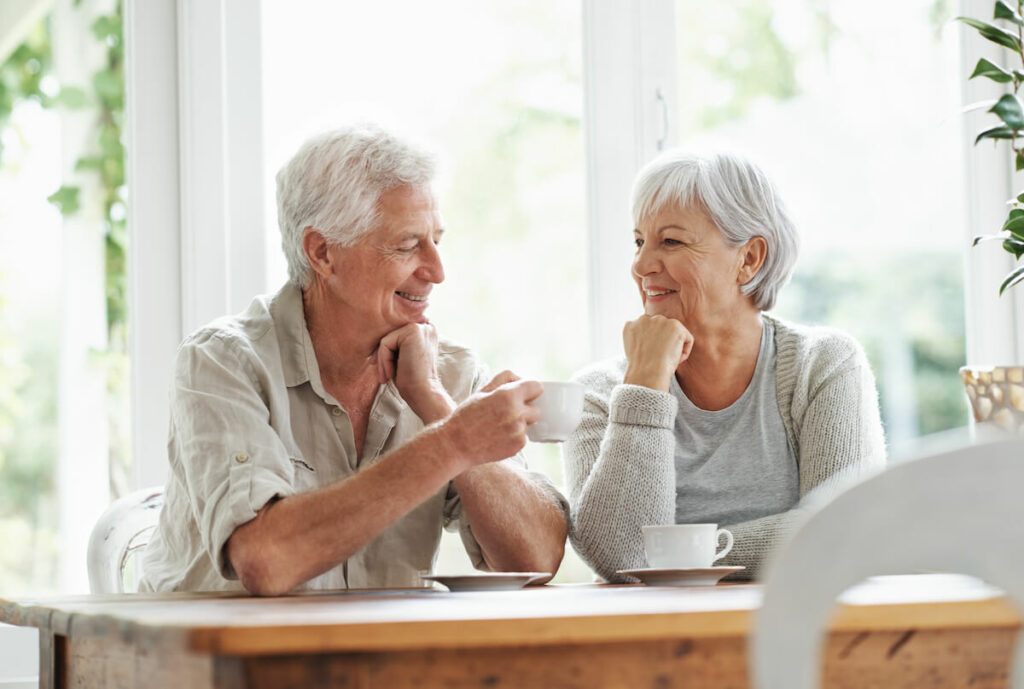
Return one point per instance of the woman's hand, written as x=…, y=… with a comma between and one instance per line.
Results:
x=408, y=355
x=655, y=346
x=491, y=425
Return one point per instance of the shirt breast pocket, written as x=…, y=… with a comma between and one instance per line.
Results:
x=305, y=474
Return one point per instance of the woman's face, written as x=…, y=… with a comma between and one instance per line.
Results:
x=385, y=279
x=684, y=268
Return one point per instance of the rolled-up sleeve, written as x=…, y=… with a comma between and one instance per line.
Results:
x=232, y=462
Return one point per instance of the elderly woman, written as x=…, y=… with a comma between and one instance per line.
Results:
x=719, y=413
x=322, y=438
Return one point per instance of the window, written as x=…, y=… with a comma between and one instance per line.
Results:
x=63, y=316
x=823, y=96
x=497, y=90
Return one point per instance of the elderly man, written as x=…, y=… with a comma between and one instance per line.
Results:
x=322, y=438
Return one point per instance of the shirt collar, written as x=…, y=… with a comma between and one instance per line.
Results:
x=298, y=358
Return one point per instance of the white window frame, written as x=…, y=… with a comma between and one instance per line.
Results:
x=197, y=189
x=195, y=175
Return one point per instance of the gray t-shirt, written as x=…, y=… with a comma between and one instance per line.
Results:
x=735, y=464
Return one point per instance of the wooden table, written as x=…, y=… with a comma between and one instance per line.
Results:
x=922, y=631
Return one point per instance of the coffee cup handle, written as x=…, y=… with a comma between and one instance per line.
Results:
x=728, y=543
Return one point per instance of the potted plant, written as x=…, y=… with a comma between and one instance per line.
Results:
x=997, y=392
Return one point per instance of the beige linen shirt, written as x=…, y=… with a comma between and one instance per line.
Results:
x=251, y=421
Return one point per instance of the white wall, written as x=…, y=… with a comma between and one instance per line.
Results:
x=19, y=657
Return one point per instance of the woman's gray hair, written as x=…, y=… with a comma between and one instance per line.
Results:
x=739, y=198
x=333, y=184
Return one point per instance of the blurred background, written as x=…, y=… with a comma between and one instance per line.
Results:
x=856, y=117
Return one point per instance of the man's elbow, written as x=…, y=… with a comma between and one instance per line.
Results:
x=257, y=568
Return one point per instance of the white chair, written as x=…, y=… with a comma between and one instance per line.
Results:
x=120, y=533
x=959, y=511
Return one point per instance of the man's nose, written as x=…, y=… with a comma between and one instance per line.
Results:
x=432, y=269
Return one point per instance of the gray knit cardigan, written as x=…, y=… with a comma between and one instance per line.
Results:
x=620, y=461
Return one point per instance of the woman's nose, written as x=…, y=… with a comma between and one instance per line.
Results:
x=645, y=262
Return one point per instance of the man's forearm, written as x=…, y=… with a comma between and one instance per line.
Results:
x=518, y=524
x=297, y=538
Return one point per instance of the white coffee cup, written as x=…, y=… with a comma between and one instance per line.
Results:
x=684, y=546
x=561, y=407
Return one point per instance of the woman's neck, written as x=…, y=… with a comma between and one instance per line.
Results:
x=722, y=362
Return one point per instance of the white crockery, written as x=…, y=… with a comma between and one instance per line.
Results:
x=684, y=546
x=561, y=407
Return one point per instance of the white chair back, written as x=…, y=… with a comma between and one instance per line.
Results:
x=121, y=532
x=959, y=511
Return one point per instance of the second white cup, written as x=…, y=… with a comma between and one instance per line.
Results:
x=684, y=546
x=561, y=407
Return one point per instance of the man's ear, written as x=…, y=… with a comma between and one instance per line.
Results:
x=752, y=255
x=315, y=247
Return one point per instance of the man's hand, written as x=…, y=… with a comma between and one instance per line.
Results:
x=408, y=355
x=655, y=346
x=491, y=425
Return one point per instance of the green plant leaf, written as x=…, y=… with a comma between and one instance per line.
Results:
x=1004, y=11
x=1010, y=111
x=65, y=199
x=1015, y=276
x=993, y=33
x=1020, y=161
x=1014, y=246
x=1015, y=226
x=1001, y=132
x=984, y=68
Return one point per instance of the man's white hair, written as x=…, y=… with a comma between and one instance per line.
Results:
x=739, y=198
x=333, y=184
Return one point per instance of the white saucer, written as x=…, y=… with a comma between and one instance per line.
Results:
x=707, y=576
x=486, y=581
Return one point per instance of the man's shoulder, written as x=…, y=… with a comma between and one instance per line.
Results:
x=459, y=368
x=237, y=334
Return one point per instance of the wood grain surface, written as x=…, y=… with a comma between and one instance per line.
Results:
x=924, y=631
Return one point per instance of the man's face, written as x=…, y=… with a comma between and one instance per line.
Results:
x=385, y=278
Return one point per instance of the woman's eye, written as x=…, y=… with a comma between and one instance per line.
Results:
x=673, y=242
x=639, y=242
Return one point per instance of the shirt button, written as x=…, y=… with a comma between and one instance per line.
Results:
x=336, y=411
x=241, y=458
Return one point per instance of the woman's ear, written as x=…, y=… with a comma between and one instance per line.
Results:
x=315, y=247
x=752, y=255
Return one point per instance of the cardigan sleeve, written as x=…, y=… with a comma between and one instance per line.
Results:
x=619, y=467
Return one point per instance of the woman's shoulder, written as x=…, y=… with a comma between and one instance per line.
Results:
x=813, y=353
x=816, y=342
x=602, y=376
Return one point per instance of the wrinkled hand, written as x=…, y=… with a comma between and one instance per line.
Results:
x=408, y=356
x=655, y=346
x=491, y=425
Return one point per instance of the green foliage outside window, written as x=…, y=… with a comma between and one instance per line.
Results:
x=28, y=372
